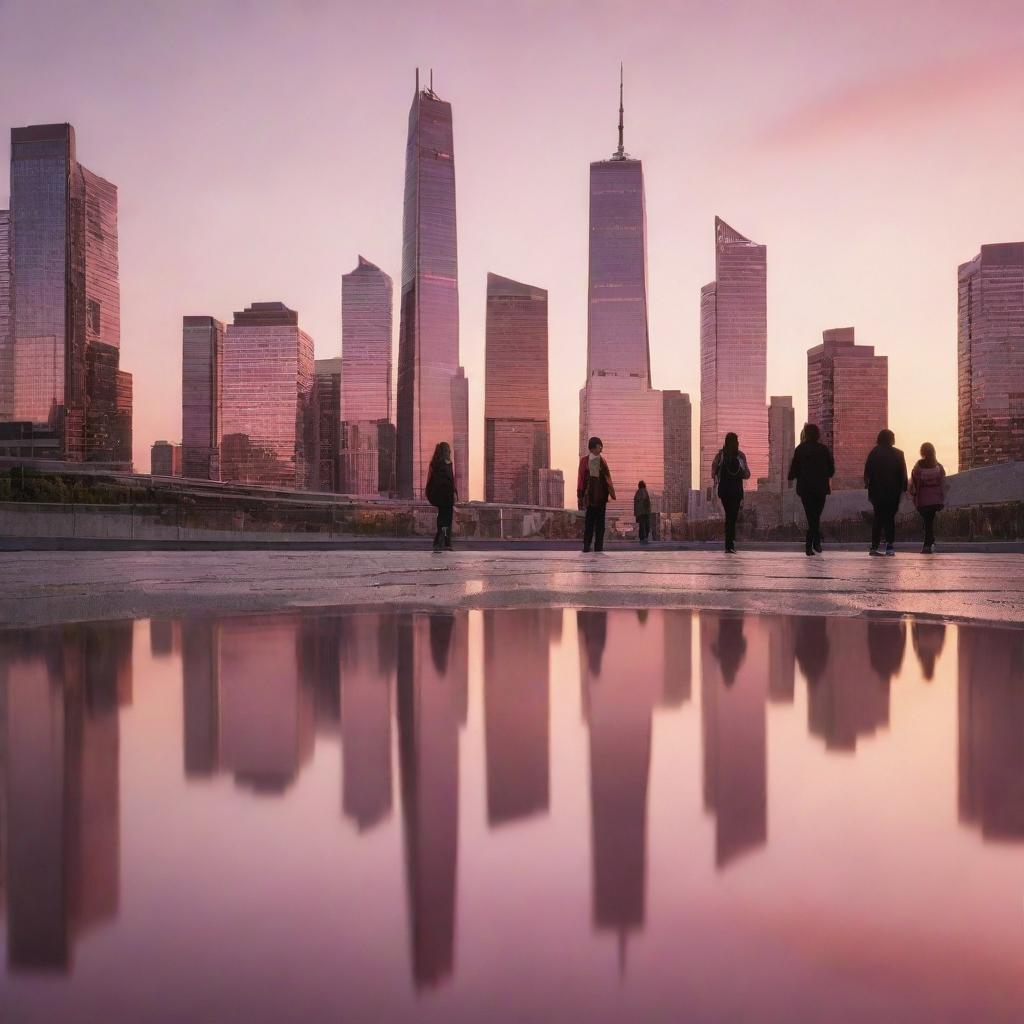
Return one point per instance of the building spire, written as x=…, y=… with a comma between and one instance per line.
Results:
x=620, y=153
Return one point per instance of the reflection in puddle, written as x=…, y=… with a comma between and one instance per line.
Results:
x=830, y=786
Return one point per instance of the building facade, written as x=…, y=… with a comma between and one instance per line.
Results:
x=781, y=443
x=517, y=425
x=65, y=297
x=678, y=428
x=327, y=385
x=848, y=398
x=367, y=438
x=165, y=459
x=6, y=346
x=202, y=387
x=990, y=356
x=269, y=426
x=550, y=488
x=433, y=392
x=734, y=352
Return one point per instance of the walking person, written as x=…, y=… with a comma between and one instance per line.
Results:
x=642, y=512
x=594, y=489
x=728, y=471
x=812, y=468
x=885, y=477
x=441, y=493
x=928, y=489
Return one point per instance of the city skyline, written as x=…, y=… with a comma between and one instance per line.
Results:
x=823, y=229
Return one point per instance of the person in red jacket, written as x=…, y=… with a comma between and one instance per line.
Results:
x=928, y=489
x=594, y=489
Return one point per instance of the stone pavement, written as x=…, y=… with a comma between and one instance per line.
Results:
x=46, y=587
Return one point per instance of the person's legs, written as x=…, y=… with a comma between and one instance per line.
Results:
x=644, y=523
x=445, y=516
x=890, y=523
x=439, y=533
x=599, y=511
x=819, y=507
x=732, y=510
x=589, y=519
x=876, y=526
x=812, y=511
x=928, y=516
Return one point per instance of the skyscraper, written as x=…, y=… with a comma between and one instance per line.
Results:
x=848, y=398
x=268, y=427
x=367, y=435
x=165, y=459
x=678, y=428
x=327, y=374
x=517, y=424
x=202, y=388
x=433, y=392
x=66, y=296
x=617, y=402
x=6, y=348
x=990, y=356
x=734, y=352
x=781, y=442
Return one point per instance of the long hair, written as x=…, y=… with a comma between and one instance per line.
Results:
x=732, y=444
x=811, y=432
x=442, y=453
x=928, y=455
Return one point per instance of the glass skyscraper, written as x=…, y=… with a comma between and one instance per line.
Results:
x=66, y=295
x=678, y=428
x=367, y=432
x=734, y=352
x=202, y=369
x=990, y=356
x=617, y=402
x=433, y=392
x=517, y=425
x=6, y=348
x=848, y=398
x=268, y=413
x=327, y=381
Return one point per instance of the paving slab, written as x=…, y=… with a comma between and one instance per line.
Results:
x=38, y=588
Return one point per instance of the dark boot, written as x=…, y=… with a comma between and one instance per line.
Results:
x=437, y=541
x=447, y=538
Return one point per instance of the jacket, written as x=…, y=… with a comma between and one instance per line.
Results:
x=729, y=474
x=812, y=468
x=592, y=492
x=885, y=475
x=440, y=486
x=928, y=485
x=642, y=502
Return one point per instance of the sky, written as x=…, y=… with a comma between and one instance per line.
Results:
x=259, y=148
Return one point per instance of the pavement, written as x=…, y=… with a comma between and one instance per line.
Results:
x=46, y=587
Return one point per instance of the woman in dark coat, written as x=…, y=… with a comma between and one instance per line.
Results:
x=594, y=489
x=812, y=468
x=441, y=493
x=885, y=477
x=728, y=471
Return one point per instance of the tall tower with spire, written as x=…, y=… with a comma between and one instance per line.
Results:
x=433, y=393
x=617, y=402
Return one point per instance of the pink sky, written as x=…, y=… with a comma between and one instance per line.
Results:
x=259, y=148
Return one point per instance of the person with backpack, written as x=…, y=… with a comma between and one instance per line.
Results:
x=928, y=489
x=642, y=512
x=594, y=489
x=441, y=493
x=885, y=477
x=728, y=471
x=812, y=468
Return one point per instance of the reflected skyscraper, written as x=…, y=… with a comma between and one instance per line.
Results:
x=268, y=422
x=200, y=682
x=433, y=393
x=368, y=431
x=678, y=647
x=617, y=402
x=990, y=356
x=848, y=398
x=60, y=693
x=781, y=659
x=734, y=691
x=618, y=703
x=516, y=711
x=990, y=665
x=432, y=683
x=65, y=290
x=202, y=391
x=734, y=352
x=517, y=427
x=811, y=647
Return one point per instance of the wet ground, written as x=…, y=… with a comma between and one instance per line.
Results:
x=531, y=814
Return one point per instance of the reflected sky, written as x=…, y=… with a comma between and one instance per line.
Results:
x=511, y=814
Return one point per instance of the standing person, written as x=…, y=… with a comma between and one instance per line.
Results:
x=885, y=477
x=594, y=489
x=440, y=492
x=728, y=471
x=928, y=489
x=812, y=468
x=642, y=511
